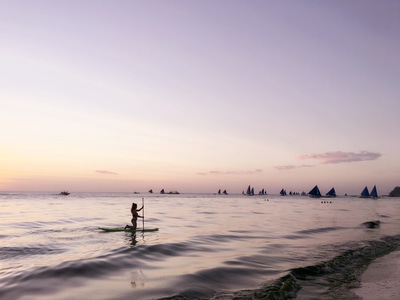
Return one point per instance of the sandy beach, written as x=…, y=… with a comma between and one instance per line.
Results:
x=381, y=279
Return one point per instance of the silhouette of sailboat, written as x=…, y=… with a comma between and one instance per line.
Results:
x=282, y=192
x=331, y=193
x=365, y=193
x=250, y=191
x=315, y=193
x=374, y=193
x=262, y=192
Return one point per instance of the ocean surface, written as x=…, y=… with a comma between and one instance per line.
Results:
x=207, y=246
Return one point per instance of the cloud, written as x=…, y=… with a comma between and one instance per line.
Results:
x=341, y=157
x=105, y=172
x=230, y=172
x=291, y=167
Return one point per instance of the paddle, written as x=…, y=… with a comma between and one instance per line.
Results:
x=143, y=211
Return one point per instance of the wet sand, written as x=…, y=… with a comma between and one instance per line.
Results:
x=381, y=280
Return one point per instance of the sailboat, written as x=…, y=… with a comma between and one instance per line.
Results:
x=365, y=193
x=331, y=193
x=225, y=192
x=262, y=192
x=315, y=193
x=374, y=193
x=250, y=191
x=282, y=192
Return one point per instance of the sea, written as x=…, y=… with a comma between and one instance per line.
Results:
x=207, y=247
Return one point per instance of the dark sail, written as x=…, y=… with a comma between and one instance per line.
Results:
x=365, y=193
x=374, y=193
x=315, y=193
x=248, y=192
x=331, y=193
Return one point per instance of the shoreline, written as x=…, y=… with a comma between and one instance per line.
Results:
x=380, y=279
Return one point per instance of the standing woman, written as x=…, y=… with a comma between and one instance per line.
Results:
x=135, y=216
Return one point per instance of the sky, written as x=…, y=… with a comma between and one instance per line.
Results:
x=196, y=96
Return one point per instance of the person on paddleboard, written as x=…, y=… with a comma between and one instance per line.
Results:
x=135, y=216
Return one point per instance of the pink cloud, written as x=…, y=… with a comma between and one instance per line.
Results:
x=105, y=172
x=230, y=172
x=341, y=157
x=291, y=167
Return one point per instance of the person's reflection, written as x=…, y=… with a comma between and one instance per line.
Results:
x=131, y=240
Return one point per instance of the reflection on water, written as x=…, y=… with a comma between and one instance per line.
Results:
x=131, y=238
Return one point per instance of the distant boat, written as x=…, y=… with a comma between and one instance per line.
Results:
x=162, y=191
x=173, y=193
x=64, y=193
x=374, y=193
x=250, y=191
x=262, y=192
x=331, y=193
x=225, y=192
x=365, y=193
x=282, y=192
x=219, y=192
x=151, y=191
x=315, y=193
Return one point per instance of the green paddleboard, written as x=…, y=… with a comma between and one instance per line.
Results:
x=116, y=229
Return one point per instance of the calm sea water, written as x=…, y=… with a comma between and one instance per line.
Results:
x=207, y=246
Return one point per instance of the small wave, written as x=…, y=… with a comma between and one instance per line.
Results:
x=319, y=230
x=302, y=234
x=294, y=237
x=13, y=252
x=171, y=249
x=384, y=216
x=224, y=237
x=28, y=282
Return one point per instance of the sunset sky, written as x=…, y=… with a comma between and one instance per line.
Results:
x=199, y=95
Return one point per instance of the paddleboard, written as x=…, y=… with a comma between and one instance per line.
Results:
x=116, y=229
